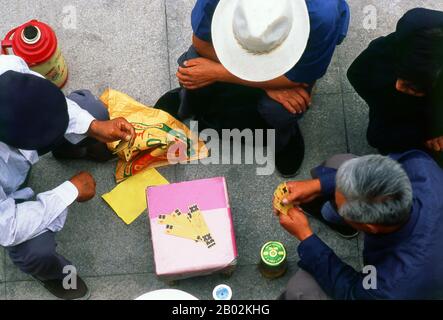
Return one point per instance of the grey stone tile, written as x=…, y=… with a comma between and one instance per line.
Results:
x=26, y=290
x=246, y=282
x=323, y=130
x=357, y=119
x=330, y=83
x=2, y=265
x=115, y=44
x=2, y=274
x=3, y=291
x=94, y=238
x=178, y=13
x=124, y=287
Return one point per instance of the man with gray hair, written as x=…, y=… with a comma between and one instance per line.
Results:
x=397, y=201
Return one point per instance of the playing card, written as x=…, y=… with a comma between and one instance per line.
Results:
x=178, y=231
x=123, y=145
x=198, y=222
x=189, y=226
x=280, y=193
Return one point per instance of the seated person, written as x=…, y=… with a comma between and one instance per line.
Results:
x=399, y=76
x=258, y=72
x=396, y=201
x=36, y=118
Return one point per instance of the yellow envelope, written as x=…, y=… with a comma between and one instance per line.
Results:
x=128, y=199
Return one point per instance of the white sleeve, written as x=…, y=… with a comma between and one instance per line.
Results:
x=15, y=63
x=24, y=221
x=79, y=122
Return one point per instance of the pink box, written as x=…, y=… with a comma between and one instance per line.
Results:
x=178, y=258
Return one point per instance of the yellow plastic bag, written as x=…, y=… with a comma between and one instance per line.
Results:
x=158, y=134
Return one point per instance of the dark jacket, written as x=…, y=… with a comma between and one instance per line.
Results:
x=397, y=122
x=409, y=262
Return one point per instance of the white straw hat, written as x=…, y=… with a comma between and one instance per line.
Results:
x=260, y=40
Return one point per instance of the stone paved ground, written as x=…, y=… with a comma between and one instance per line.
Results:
x=132, y=46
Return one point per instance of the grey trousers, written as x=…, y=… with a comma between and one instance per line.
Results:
x=38, y=257
x=302, y=285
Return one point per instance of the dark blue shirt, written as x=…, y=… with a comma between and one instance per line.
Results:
x=409, y=262
x=329, y=26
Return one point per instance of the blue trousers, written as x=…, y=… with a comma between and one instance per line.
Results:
x=38, y=257
x=227, y=106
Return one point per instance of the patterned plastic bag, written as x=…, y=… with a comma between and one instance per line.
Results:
x=159, y=136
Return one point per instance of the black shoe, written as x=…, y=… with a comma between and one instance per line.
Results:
x=170, y=102
x=99, y=152
x=313, y=209
x=55, y=287
x=289, y=160
x=70, y=153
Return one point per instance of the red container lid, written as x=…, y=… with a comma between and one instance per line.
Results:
x=39, y=50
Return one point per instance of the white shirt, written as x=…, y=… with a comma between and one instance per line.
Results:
x=27, y=220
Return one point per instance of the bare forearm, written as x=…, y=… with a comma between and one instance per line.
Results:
x=204, y=49
x=279, y=83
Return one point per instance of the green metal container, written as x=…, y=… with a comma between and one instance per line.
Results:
x=273, y=260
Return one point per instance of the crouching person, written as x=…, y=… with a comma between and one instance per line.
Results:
x=36, y=118
x=396, y=202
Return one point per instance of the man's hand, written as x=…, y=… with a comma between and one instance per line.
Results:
x=302, y=191
x=199, y=73
x=435, y=144
x=296, y=223
x=295, y=100
x=85, y=184
x=112, y=130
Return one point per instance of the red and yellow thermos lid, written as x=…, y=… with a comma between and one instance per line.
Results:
x=33, y=41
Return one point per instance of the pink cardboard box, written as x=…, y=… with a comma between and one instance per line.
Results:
x=179, y=258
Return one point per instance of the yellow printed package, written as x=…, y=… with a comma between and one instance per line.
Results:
x=160, y=138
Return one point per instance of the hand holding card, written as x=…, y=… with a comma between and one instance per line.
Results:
x=280, y=193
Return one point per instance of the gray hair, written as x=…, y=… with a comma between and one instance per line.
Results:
x=377, y=190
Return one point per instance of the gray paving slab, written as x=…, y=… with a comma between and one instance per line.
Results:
x=118, y=44
x=2, y=265
x=26, y=290
x=357, y=118
x=323, y=130
x=246, y=282
x=178, y=14
x=3, y=291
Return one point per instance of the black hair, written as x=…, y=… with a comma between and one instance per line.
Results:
x=419, y=59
